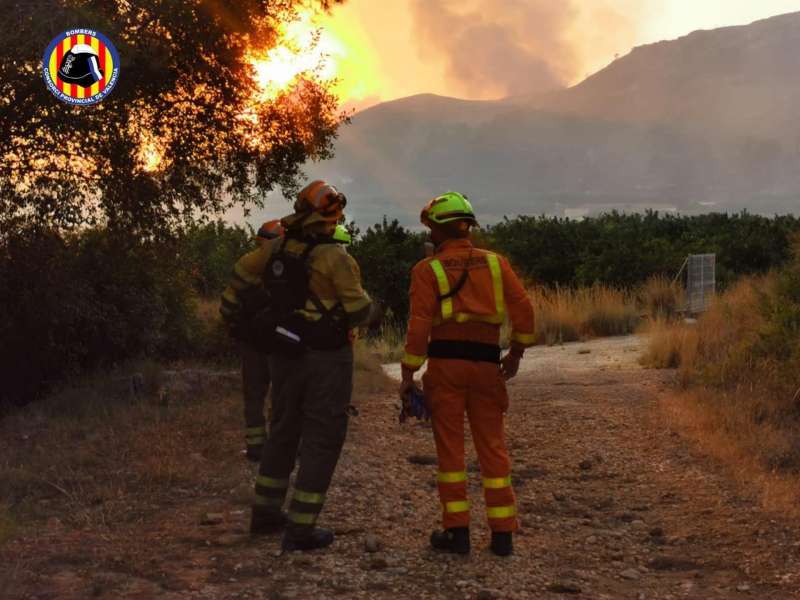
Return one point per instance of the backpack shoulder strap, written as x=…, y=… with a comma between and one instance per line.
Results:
x=462, y=280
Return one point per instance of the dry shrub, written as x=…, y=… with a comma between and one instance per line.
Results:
x=389, y=344
x=567, y=315
x=368, y=375
x=661, y=298
x=668, y=343
x=739, y=365
x=732, y=427
x=116, y=441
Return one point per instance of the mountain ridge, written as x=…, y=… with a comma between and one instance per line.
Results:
x=704, y=121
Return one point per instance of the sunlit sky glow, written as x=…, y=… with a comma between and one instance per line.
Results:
x=376, y=52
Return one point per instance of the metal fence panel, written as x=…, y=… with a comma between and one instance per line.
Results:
x=701, y=282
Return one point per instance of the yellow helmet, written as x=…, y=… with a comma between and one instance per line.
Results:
x=447, y=208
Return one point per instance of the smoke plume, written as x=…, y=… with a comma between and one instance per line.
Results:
x=516, y=47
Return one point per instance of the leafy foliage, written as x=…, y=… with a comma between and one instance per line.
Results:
x=625, y=250
x=185, y=93
x=208, y=253
x=386, y=253
x=84, y=302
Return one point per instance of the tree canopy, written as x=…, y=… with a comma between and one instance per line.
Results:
x=185, y=132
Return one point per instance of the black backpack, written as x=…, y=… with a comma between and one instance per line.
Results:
x=278, y=326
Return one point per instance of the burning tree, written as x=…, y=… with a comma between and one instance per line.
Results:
x=189, y=130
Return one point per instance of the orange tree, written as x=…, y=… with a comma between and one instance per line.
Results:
x=184, y=133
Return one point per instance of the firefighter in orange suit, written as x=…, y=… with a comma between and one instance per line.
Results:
x=459, y=299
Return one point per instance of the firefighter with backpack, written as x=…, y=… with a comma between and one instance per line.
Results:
x=460, y=297
x=312, y=296
x=255, y=363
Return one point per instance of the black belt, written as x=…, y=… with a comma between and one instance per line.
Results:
x=464, y=351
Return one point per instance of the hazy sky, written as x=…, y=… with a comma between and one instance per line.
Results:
x=483, y=49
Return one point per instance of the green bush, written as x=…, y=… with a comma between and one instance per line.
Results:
x=74, y=304
x=386, y=254
x=626, y=249
x=209, y=252
x=779, y=342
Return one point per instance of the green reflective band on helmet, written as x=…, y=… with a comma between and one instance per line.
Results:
x=451, y=206
x=302, y=518
x=308, y=497
x=269, y=482
x=274, y=501
x=452, y=476
x=496, y=483
x=501, y=512
x=457, y=507
x=444, y=289
x=497, y=282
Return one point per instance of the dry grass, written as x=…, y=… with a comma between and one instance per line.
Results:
x=562, y=315
x=717, y=349
x=88, y=453
x=661, y=298
x=389, y=345
x=102, y=454
x=566, y=315
x=737, y=405
x=761, y=453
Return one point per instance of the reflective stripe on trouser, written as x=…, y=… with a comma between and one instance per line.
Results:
x=305, y=507
x=500, y=504
x=255, y=387
x=453, y=495
x=453, y=388
x=310, y=396
x=255, y=436
x=271, y=492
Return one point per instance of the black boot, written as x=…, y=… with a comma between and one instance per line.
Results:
x=502, y=543
x=455, y=540
x=307, y=538
x=265, y=521
x=253, y=452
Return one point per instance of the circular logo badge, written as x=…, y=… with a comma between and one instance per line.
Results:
x=278, y=268
x=81, y=66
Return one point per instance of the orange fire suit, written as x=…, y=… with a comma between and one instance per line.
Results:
x=467, y=325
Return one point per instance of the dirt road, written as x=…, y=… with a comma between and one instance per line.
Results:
x=613, y=505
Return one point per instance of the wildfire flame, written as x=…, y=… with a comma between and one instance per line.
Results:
x=151, y=155
x=311, y=47
x=305, y=50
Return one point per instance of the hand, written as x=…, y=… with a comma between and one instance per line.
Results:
x=405, y=389
x=509, y=366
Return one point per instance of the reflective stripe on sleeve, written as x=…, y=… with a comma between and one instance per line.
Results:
x=501, y=512
x=457, y=507
x=496, y=483
x=444, y=289
x=497, y=282
x=414, y=361
x=452, y=476
x=526, y=339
